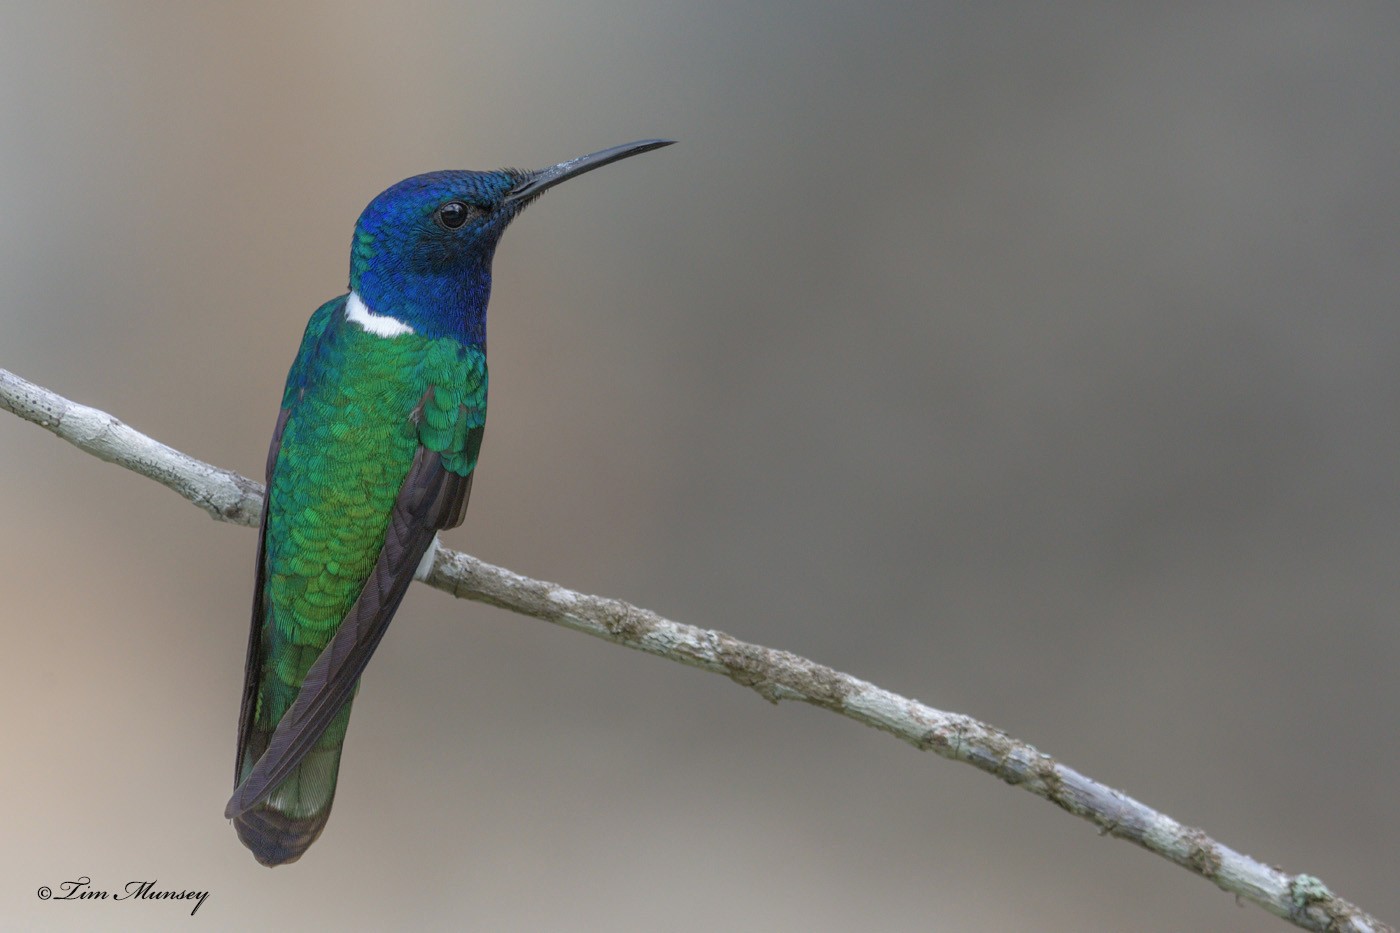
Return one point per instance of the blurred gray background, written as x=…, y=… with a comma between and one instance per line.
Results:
x=1040, y=364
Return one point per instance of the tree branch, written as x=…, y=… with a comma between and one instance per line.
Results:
x=776, y=675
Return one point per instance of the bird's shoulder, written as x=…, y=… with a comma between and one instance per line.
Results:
x=452, y=411
x=433, y=388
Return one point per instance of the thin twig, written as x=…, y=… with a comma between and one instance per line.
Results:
x=775, y=675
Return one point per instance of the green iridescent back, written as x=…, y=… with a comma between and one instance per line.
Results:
x=360, y=407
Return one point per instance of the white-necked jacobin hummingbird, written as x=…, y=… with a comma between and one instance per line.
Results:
x=373, y=454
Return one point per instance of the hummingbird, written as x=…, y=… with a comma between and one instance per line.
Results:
x=374, y=451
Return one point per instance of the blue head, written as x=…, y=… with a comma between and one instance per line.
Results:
x=422, y=249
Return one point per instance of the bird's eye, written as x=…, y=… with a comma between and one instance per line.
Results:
x=453, y=214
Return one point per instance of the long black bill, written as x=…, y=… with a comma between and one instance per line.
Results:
x=537, y=182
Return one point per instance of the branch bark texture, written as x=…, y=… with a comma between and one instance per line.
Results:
x=775, y=675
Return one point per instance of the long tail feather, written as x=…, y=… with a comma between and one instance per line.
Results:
x=283, y=825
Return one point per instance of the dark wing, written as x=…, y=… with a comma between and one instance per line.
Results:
x=252, y=668
x=431, y=498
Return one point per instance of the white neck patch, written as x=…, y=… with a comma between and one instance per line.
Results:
x=379, y=324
